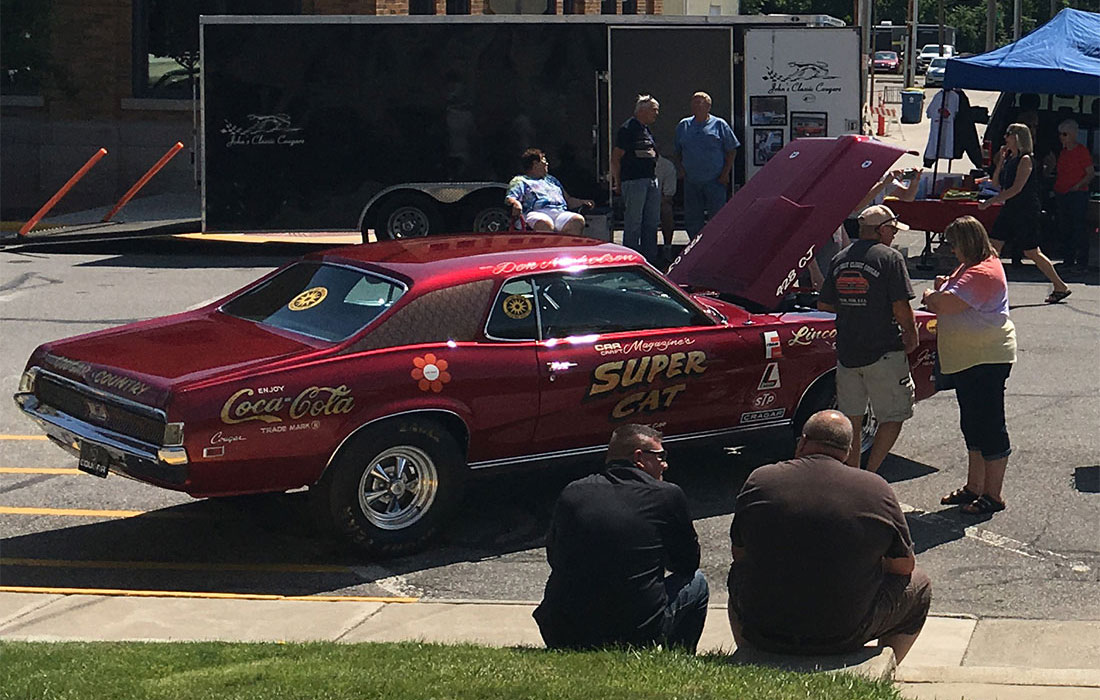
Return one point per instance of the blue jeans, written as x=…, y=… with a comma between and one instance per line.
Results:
x=687, y=610
x=641, y=215
x=700, y=197
x=980, y=391
x=1072, y=208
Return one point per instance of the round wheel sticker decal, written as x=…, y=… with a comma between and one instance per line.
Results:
x=308, y=299
x=517, y=306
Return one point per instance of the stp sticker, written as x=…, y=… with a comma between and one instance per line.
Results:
x=772, y=348
x=763, y=400
x=770, y=378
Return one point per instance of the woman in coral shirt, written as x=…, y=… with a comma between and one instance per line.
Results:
x=976, y=343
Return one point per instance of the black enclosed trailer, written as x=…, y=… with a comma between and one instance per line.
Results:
x=414, y=125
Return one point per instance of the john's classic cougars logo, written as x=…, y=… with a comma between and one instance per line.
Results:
x=314, y=401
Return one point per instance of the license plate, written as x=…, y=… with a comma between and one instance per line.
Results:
x=94, y=460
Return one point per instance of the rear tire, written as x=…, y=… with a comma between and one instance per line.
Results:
x=391, y=486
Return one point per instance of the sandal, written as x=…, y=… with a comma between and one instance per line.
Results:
x=983, y=505
x=1056, y=296
x=958, y=497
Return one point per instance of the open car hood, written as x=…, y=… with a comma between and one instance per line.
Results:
x=773, y=226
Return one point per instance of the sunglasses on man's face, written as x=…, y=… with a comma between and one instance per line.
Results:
x=659, y=454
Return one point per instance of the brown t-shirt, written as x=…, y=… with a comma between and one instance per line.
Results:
x=815, y=531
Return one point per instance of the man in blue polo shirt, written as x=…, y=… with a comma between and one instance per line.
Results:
x=705, y=147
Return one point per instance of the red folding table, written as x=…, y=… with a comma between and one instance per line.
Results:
x=933, y=216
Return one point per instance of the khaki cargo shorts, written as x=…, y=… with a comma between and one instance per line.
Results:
x=886, y=383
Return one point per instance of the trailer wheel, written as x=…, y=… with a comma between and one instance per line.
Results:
x=408, y=217
x=491, y=219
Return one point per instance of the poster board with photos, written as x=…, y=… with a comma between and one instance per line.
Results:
x=815, y=72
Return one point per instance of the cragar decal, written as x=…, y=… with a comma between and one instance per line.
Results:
x=315, y=401
x=308, y=299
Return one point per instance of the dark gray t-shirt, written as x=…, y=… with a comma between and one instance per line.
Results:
x=864, y=281
x=815, y=532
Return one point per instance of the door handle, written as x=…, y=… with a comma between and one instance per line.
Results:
x=558, y=366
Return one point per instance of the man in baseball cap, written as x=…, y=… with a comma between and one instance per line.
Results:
x=868, y=288
x=878, y=215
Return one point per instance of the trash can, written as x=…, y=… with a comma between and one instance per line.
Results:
x=912, y=105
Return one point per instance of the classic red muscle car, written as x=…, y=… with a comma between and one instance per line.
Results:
x=381, y=375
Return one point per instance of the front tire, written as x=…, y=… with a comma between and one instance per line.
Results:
x=823, y=397
x=392, y=486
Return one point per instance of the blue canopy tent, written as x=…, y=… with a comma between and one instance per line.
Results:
x=1061, y=57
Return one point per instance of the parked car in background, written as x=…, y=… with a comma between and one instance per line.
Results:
x=887, y=62
x=933, y=77
x=931, y=51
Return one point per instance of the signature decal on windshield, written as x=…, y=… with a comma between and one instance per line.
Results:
x=564, y=261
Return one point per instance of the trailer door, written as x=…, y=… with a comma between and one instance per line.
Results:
x=799, y=82
x=671, y=63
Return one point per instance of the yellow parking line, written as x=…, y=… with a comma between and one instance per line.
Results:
x=23, y=437
x=70, y=512
x=38, y=470
x=201, y=594
x=175, y=566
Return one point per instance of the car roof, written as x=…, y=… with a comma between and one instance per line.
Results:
x=458, y=259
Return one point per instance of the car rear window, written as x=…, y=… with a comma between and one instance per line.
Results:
x=331, y=302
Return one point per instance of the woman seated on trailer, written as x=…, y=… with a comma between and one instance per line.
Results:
x=540, y=199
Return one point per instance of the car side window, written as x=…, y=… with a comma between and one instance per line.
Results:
x=608, y=301
x=513, y=316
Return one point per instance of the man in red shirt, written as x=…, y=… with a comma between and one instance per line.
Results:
x=1071, y=190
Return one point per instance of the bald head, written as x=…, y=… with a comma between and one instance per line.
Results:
x=826, y=432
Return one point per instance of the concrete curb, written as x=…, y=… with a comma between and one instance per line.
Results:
x=997, y=675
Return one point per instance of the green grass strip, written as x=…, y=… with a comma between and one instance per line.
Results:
x=406, y=671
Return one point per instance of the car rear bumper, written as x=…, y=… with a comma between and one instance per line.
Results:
x=128, y=456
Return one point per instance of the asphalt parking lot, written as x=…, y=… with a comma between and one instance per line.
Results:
x=66, y=529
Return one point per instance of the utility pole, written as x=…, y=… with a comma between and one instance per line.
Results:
x=1016, y=10
x=911, y=48
x=991, y=24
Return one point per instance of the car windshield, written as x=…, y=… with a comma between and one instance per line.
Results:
x=885, y=55
x=938, y=62
x=324, y=301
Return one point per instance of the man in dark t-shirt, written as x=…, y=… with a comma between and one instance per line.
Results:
x=611, y=539
x=823, y=560
x=634, y=174
x=868, y=288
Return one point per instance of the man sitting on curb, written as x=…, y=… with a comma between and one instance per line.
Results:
x=611, y=537
x=822, y=557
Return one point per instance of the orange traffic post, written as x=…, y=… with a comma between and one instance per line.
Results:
x=144, y=179
x=62, y=192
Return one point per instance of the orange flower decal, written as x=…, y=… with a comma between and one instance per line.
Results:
x=430, y=373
